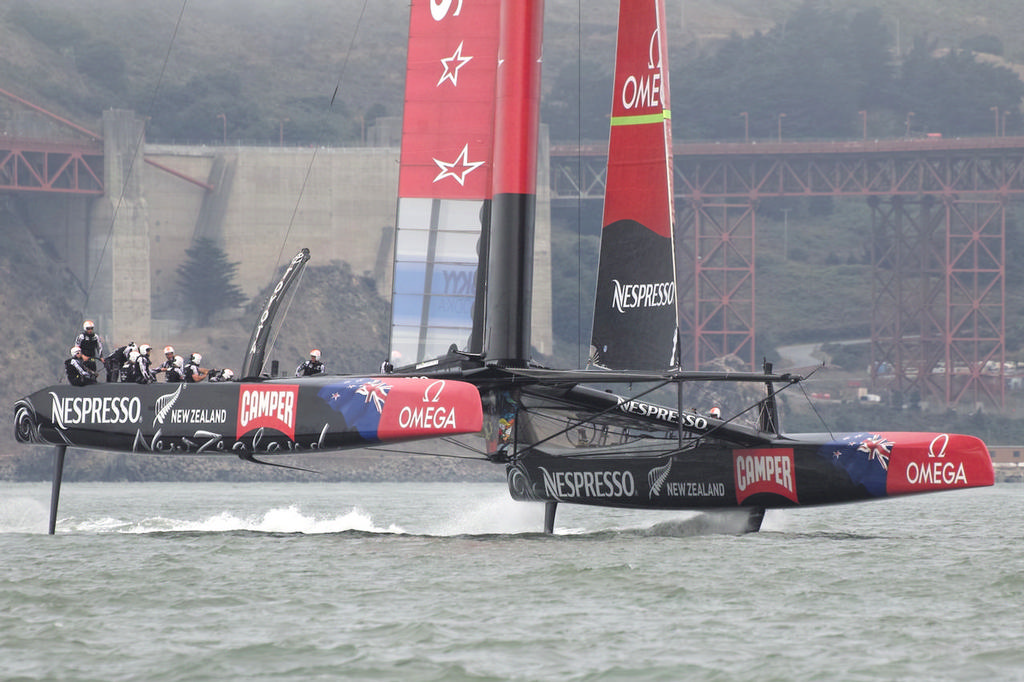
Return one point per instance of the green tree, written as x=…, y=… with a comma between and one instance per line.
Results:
x=205, y=281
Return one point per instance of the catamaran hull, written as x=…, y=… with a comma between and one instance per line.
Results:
x=266, y=417
x=852, y=467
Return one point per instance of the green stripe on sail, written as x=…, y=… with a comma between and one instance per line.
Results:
x=642, y=119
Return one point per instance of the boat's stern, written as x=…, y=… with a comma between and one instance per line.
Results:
x=901, y=463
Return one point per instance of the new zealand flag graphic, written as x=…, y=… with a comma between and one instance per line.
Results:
x=864, y=456
x=360, y=401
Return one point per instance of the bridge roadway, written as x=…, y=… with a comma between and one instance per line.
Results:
x=705, y=170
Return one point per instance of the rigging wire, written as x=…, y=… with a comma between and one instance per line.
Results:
x=312, y=160
x=135, y=153
x=579, y=195
x=305, y=182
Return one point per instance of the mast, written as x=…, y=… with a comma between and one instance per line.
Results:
x=516, y=126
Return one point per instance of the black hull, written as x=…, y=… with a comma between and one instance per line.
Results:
x=783, y=474
x=267, y=417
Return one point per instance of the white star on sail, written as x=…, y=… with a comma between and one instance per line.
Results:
x=458, y=169
x=451, y=67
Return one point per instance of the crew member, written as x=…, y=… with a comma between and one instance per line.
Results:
x=311, y=366
x=168, y=364
x=193, y=372
x=220, y=375
x=75, y=367
x=91, y=345
x=144, y=375
x=116, y=362
x=176, y=374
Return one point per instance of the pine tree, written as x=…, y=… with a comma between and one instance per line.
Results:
x=205, y=281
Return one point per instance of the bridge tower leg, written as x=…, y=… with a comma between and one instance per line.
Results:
x=118, y=245
x=715, y=262
x=939, y=299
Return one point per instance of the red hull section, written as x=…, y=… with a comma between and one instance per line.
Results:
x=923, y=462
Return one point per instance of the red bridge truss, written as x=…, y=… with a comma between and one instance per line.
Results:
x=938, y=234
x=45, y=165
x=41, y=166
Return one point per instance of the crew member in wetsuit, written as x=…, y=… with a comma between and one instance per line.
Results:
x=75, y=367
x=311, y=366
x=116, y=361
x=144, y=375
x=91, y=345
x=176, y=372
x=193, y=372
x=167, y=365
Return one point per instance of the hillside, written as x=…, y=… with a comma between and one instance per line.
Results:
x=273, y=68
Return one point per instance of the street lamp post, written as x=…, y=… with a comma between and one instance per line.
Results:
x=280, y=132
x=785, y=233
x=224, y=119
x=781, y=116
x=910, y=115
x=995, y=111
x=1003, y=133
x=746, y=126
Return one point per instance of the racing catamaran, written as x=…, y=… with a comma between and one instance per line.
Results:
x=460, y=355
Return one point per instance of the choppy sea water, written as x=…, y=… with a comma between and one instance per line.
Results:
x=454, y=582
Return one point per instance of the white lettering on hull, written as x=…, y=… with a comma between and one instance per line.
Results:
x=579, y=484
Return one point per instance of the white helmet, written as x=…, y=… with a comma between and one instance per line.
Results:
x=133, y=356
x=227, y=375
x=196, y=358
x=87, y=326
x=179, y=361
x=716, y=412
x=315, y=353
x=75, y=350
x=144, y=349
x=168, y=349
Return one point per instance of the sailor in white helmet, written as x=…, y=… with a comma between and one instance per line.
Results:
x=78, y=373
x=91, y=345
x=168, y=364
x=311, y=366
x=144, y=374
x=193, y=371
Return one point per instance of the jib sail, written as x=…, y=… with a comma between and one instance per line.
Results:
x=635, y=316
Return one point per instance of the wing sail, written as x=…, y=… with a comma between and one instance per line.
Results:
x=445, y=178
x=635, y=316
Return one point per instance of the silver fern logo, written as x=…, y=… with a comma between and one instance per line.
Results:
x=656, y=477
x=164, y=404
